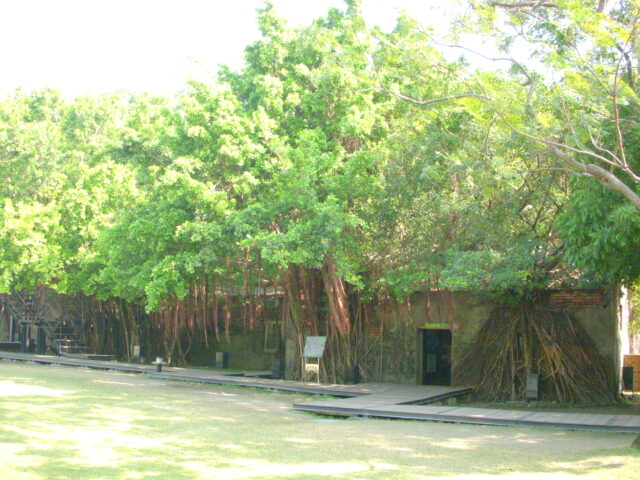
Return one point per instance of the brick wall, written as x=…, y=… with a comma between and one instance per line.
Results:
x=579, y=299
x=634, y=361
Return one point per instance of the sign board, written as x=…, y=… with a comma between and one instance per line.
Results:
x=312, y=368
x=314, y=347
x=435, y=326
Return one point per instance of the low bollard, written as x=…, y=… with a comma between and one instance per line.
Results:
x=158, y=364
x=222, y=360
x=136, y=354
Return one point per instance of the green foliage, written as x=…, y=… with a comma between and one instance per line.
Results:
x=512, y=270
x=602, y=234
x=62, y=187
x=299, y=159
x=576, y=94
x=154, y=250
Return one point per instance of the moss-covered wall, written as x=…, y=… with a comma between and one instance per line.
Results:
x=246, y=350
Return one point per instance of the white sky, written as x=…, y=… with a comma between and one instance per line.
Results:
x=94, y=46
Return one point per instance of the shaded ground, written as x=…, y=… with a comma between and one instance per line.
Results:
x=70, y=423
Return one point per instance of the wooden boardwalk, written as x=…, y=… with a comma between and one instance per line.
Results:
x=376, y=406
x=205, y=376
x=380, y=400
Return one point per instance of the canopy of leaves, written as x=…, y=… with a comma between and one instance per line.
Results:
x=305, y=157
x=580, y=112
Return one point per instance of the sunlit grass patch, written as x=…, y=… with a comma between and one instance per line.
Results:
x=10, y=388
x=66, y=423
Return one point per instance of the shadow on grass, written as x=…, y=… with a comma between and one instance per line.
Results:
x=117, y=426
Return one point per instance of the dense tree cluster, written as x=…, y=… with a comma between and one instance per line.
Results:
x=344, y=160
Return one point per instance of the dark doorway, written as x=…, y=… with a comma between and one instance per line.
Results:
x=436, y=357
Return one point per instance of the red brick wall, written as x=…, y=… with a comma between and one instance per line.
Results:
x=634, y=361
x=579, y=299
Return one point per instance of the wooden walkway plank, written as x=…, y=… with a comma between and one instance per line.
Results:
x=634, y=422
x=482, y=416
x=622, y=420
x=372, y=400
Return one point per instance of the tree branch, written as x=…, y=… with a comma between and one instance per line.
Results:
x=559, y=169
x=538, y=4
x=605, y=177
x=521, y=67
x=430, y=101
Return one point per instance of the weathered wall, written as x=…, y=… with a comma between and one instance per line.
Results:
x=600, y=323
x=390, y=355
x=246, y=346
x=393, y=353
x=393, y=344
x=470, y=311
x=597, y=311
x=246, y=350
x=392, y=350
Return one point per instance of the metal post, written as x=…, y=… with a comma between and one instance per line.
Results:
x=158, y=364
x=24, y=338
x=12, y=327
x=41, y=340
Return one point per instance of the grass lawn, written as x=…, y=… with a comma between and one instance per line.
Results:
x=69, y=423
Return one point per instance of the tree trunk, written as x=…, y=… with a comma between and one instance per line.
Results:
x=300, y=303
x=339, y=319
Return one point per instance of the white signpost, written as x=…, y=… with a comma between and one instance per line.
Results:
x=313, y=352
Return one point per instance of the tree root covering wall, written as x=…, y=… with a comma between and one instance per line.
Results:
x=316, y=303
x=182, y=332
x=573, y=349
x=531, y=338
x=391, y=351
x=394, y=332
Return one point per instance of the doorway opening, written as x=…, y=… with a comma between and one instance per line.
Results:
x=436, y=357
